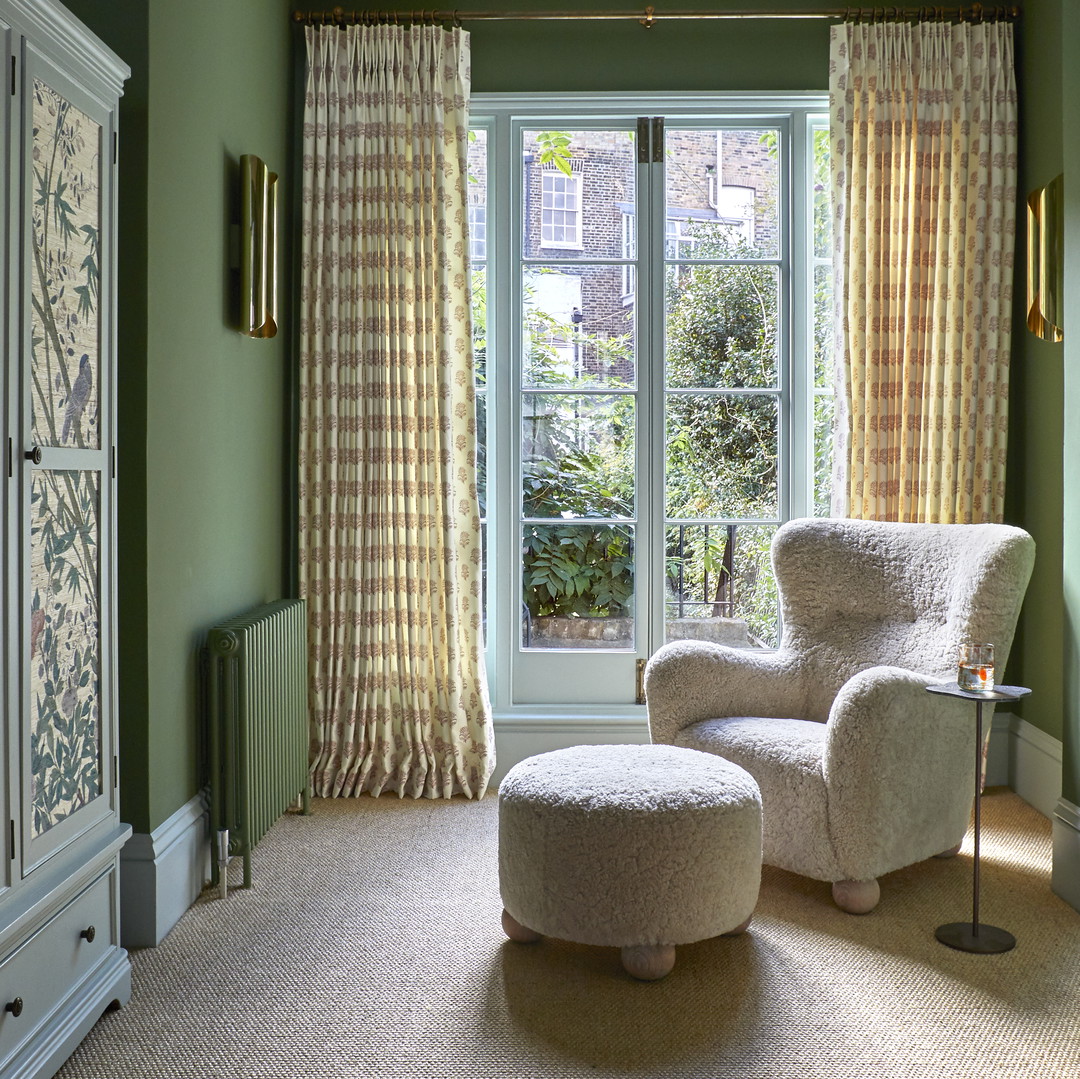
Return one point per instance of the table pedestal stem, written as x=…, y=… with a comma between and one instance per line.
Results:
x=985, y=939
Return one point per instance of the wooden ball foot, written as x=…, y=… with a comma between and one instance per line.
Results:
x=856, y=896
x=516, y=931
x=648, y=962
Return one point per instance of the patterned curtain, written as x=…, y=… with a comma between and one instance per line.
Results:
x=389, y=522
x=923, y=124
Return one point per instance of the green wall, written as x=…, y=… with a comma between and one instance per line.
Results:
x=1070, y=138
x=204, y=417
x=729, y=54
x=1036, y=426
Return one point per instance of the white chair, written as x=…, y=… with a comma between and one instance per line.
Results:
x=861, y=770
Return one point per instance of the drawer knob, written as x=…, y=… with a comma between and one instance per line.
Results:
x=34, y=455
x=88, y=934
x=15, y=1007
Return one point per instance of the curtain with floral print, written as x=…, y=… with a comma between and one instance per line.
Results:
x=389, y=523
x=923, y=129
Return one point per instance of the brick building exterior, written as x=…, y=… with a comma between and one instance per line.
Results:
x=726, y=177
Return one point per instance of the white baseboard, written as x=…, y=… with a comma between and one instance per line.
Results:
x=518, y=738
x=1000, y=752
x=1065, y=876
x=1034, y=766
x=162, y=874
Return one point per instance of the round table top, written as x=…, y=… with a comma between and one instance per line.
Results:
x=998, y=693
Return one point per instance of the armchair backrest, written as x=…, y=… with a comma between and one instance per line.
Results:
x=857, y=594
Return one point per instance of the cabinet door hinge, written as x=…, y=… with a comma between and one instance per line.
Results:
x=14, y=60
x=115, y=146
x=12, y=848
x=10, y=458
x=113, y=462
x=658, y=138
x=115, y=771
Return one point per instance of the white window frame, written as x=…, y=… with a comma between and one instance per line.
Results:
x=504, y=114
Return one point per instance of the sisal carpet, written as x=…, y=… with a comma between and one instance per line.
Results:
x=370, y=946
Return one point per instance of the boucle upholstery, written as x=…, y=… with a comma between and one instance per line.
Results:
x=629, y=845
x=861, y=770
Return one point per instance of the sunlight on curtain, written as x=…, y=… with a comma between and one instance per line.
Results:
x=389, y=521
x=923, y=128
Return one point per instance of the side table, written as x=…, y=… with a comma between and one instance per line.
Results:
x=976, y=937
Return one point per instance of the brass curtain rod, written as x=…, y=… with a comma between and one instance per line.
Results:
x=650, y=17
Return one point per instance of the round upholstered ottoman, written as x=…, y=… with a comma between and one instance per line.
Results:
x=639, y=847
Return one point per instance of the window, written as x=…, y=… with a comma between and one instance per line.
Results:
x=657, y=395
x=477, y=232
x=560, y=220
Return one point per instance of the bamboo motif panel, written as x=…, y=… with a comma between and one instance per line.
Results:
x=64, y=645
x=64, y=272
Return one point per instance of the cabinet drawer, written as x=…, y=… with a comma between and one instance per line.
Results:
x=42, y=970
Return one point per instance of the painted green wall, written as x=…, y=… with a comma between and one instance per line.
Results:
x=736, y=54
x=1036, y=428
x=1070, y=137
x=204, y=416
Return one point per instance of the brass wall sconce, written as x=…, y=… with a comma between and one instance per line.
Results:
x=1046, y=261
x=258, y=248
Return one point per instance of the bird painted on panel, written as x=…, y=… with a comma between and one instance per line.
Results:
x=37, y=626
x=80, y=394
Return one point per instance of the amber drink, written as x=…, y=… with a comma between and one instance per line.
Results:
x=976, y=671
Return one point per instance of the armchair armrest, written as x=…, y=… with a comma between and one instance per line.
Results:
x=899, y=769
x=687, y=681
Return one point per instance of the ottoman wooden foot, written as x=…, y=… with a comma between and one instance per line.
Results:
x=742, y=928
x=516, y=931
x=648, y=962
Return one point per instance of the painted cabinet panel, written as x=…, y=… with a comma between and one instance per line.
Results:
x=65, y=394
x=58, y=783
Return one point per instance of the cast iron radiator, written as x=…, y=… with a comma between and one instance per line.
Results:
x=258, y=728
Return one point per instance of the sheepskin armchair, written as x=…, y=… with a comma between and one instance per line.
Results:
x=861, y=770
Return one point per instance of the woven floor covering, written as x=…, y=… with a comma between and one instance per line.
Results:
x=370, y=946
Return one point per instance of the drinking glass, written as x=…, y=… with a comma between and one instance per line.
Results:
x=976, y=670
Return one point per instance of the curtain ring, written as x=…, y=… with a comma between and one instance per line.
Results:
x=457, y=20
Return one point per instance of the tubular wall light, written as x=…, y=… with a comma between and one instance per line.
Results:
x=1046, y=261
x=258, y=248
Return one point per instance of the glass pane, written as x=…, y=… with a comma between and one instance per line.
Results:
x=722, y=192
x=721, y=327
x=578, y=187
x=577, y=455
x=65, y=258
x=477, y=176
x=822, y=205
x=823, y=454
x=823, y=328
x=720, y=585
x=65, y=745
x=577, y=586
x=479, y=323
x=578, y=330
x=481, y=451
x=722, y=454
